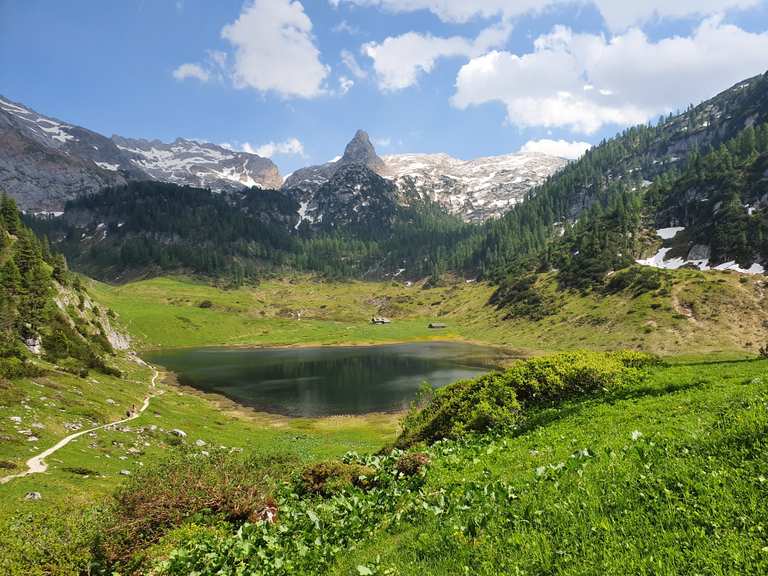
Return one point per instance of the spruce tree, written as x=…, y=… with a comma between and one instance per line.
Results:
x=10, y=214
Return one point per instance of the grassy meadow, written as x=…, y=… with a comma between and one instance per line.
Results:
x=694, y=313
x=608, y=483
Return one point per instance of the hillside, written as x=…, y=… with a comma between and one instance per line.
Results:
x=617, y=169
x=671, y=312
x=615, y=460
x=44, y=161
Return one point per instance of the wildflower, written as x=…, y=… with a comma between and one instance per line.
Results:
x=636, y=435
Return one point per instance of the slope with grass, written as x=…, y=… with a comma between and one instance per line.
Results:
x=604, y=464
x=679, y=312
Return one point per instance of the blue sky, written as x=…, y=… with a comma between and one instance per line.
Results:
x=294, y=79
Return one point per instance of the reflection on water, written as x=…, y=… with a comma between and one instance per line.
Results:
x=327, y=380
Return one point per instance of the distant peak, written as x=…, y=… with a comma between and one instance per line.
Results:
x=361, y=151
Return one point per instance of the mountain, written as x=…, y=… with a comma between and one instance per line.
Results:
x=617, y=171
x=199, y=164
x=474, y=190
x=305, y=181
x=44, y=161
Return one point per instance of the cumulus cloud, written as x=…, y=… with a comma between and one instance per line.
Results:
x=585, y=81
x=190, y=70
x=275, y=50
x=290, y=147
x=618, y=14
x=399, y=60
x=561, y=148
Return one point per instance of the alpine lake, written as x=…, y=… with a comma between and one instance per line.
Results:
x=327, y=380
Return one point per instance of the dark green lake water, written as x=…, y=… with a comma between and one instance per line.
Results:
x=326, y=381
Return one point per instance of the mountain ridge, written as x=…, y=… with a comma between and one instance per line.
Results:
x=44, y=161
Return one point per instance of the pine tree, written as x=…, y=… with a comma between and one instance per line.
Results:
x=10, y=279
x=10, y=214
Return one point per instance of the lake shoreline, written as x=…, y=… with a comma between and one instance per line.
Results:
x=517, y=353
x=327, y=381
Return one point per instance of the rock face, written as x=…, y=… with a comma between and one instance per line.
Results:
x=44, y=162
x=199, y=164
x=355, y=199
x=474, y=190
x=306, y=181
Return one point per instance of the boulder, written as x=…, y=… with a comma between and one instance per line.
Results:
x=699, y=252
x=179, y=433
x=33, y=496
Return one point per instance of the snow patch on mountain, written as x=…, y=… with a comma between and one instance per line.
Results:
x=475, y=190
x=47, y=130
x=193, y=163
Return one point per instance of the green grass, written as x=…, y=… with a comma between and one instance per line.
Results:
x=56, y=399
x=666, y=475
x=667, y=478
x=714, y=313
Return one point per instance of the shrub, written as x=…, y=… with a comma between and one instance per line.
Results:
x=497, y=399
x=465, y=406
x=332, y=477
x=11, y=368
x=73, y=366
x=520, y=297
x=47, y=540
x=412, y=463
x=636, y=280
x=159, y=498
x=562, y=376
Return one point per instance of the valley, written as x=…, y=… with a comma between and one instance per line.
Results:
x=528, y=355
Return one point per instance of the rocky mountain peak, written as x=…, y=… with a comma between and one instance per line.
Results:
x=361, y=151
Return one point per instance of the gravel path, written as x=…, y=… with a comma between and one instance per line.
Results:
x=36, y=464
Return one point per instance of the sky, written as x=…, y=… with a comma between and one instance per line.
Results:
x=294, y=79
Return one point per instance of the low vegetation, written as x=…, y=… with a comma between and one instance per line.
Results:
x=661, y=474
x=612, y=462
x=637, y=308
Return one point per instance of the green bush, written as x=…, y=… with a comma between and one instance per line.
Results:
x=562, y=376
x=73, y=366
x=465, y=406
x=520, y=297
x=47, y=541
x=497, y=399
x=636, y=280
x=13, y=367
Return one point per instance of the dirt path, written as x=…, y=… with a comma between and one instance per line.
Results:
x=36, y=464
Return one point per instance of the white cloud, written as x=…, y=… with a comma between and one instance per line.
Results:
x=190, y=70
x=275, y=50
x=399, y=60
x=618, y=14
x=290, y=147
x=561, y=148
x=346, y=27
x=382, y=142
x=349, y=60
x=345, y=85
x=584, y=81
